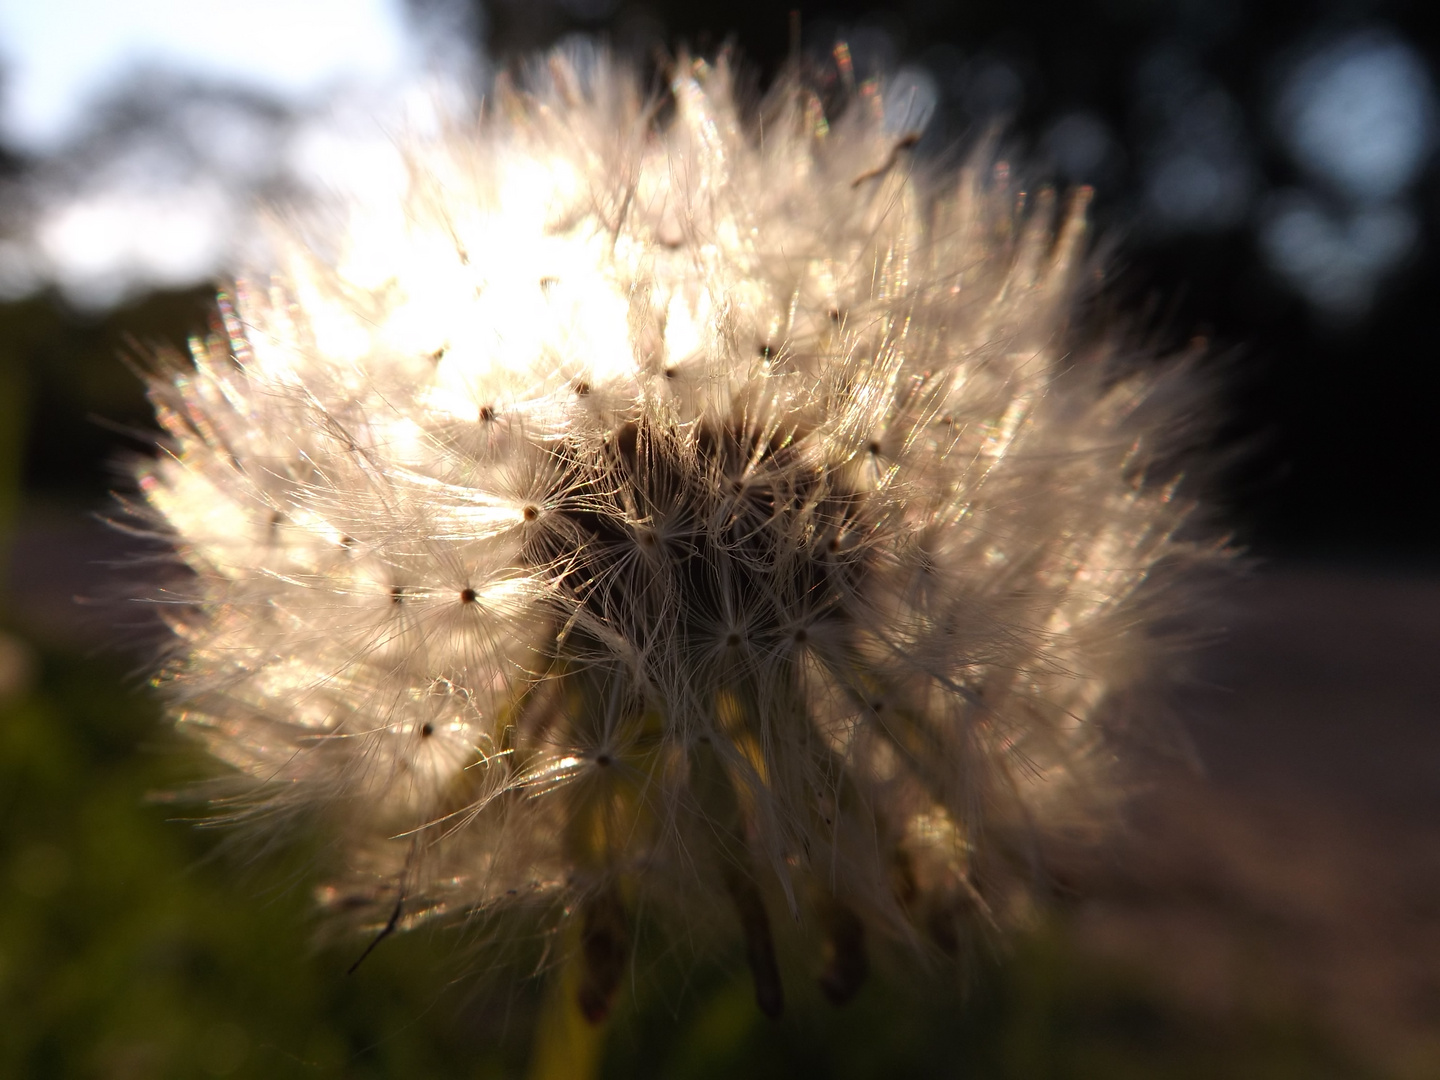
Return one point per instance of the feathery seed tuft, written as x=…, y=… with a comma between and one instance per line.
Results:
x=802, y=560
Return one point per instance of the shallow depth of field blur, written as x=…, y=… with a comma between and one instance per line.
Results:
x=1266, y=178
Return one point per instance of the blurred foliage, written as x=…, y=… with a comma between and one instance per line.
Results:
x=135, y=945
x=68, y=397
x=127, y=949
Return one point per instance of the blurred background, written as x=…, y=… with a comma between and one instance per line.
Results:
x=1266, y=180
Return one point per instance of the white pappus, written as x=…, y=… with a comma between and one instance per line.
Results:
x=662, y=512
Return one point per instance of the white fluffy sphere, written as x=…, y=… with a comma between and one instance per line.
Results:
x=680, y=514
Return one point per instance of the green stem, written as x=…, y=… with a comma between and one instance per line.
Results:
x=567, y=1045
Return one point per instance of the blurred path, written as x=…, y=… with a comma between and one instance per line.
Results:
x=73, y=580
x=1301, y=874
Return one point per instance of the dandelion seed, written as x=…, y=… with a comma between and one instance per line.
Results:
x=829, y=632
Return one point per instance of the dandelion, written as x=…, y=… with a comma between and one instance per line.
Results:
x=666, y=515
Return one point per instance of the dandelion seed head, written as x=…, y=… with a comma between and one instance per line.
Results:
x=648, y=510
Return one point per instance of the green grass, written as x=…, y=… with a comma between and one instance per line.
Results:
x=136, y=945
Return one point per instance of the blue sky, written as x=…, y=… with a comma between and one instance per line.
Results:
x=175, y=205
x=59, y=54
